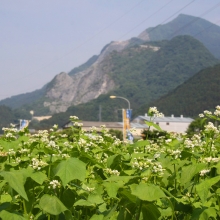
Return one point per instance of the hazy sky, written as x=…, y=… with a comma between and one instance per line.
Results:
x=41, y=38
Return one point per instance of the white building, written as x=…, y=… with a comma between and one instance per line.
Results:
x=170, y=124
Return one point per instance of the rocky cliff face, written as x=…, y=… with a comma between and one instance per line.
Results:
x=84, y=86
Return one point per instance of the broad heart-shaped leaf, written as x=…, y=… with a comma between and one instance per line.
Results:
x=51, y=205
x=83, y=202
x=93, y=200
x=113, y=161
x=39, y=177
x=112, y=188
x=150, y=211
x=97, y=217
x=16, y=180
x=189, y=171
x=204, y=187
x=204, y=213
x=147, y=192
x=152, y=124
x=10, y=216
x=71, y=169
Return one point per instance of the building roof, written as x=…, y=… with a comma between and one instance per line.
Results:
x=109, y=125
x=167, y=119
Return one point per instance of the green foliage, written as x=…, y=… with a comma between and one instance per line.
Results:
x=203, y=30
x=96, y=176
x=191, y=98
x=116, y=133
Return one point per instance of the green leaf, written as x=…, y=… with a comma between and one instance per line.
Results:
x=152, y=124
x=188, y=172
x=10, y=216
x=51, y=205
x=38, y=177
x=82, y=202
x=141, y=143
x=5, y=198
x=95, y=199
x=71, y=169
x=68, y=198
x=150, y=211
x=204, y=213
x=113, y=161
x=204, y=187
x=112, y=188
x=97, y=217
x=147, y=192
x=208, y=213
x=68, y=215
x=16, y=180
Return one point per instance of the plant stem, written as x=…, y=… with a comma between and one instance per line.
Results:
x=24, y=206
x=139, y=211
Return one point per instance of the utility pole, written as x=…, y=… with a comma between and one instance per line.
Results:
x=100, y=113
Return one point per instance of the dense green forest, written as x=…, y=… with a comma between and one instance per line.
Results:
x=201, y=92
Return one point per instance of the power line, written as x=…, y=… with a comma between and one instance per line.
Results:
x=146, y=18
x=80, y=45
x=194, y=20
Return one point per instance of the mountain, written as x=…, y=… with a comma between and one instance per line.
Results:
x=142, y=73
x=139, y=69
x=199, y=93
x=201, y=29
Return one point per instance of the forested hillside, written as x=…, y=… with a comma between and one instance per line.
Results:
x=201, y=92
x=143, y=74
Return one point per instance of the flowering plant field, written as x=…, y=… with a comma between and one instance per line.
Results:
x=96, y=176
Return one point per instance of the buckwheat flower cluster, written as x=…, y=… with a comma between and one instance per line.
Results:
x=141, y=163
x=63, y=135
x=217, y=111
x=203, y=172
x=82, y=142
x=211, y=128
x=167, y=141
x=117, y=142
x=54, y=184
x=78, y=124
x=65, y=156
x=11, y=152
x=53, y=145
x=11, y=130
x=189, y=144
x=90, y=189
x=10, y=135
x=206, y=112
x=74, y=118
x=24, y=151
x=103, y=129
x=112, y=172
x=93, y=129
x=38, y=164
x=210, y=159
x=201, y=115
x=154, y=112
x=68, y=145
x=175, y=153
x=157, y=169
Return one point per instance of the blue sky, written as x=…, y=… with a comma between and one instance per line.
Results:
x=41, y=38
